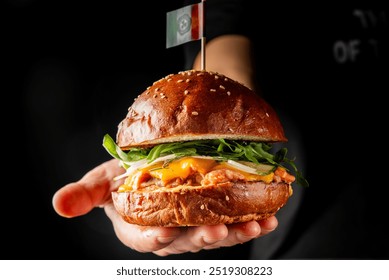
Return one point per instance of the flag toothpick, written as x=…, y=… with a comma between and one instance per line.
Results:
x=187, y=24
x=203, y=41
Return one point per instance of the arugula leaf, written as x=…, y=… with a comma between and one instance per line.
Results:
x=299, y=176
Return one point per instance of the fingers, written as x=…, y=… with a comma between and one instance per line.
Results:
x=244, y=232
x=238, y=234
x=139, y=238
x=268, y=225
x=72, y=200
x=165, y=241
x=195, y=239
x=92, y=190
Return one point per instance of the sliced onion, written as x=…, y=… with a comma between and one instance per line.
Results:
x=140, y=164
x=242, y=167
x=203, y=157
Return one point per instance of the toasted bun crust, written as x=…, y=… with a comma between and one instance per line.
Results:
x=195, y=105
x=193, y=206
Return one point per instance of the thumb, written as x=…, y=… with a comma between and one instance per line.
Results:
x=94, y=189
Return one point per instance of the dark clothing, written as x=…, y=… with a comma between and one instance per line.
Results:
x=325, y=71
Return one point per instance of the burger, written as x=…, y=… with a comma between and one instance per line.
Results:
x=196, y=148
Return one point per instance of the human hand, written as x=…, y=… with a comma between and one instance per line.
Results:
x=94, y=190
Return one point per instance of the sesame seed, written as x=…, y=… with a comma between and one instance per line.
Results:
x=169, y=79
x=148, y=88
x=226, y=79
x=228, y=93
x=187, y=80
x=186, y=92
x=222, y=87
x=227, y=198
x=155, y=95
x=156, y=89
x=212, y=90
x=194, y=113
x=216, y=77
x=147, y=92
x=180, y=81
x=200, y=74
x=267, y=115
x=202, y=207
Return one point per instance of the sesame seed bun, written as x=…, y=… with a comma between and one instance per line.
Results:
x=194, y=105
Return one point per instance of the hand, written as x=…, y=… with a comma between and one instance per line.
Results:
x=94, y=190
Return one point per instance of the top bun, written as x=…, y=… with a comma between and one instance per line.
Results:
x=197, y=105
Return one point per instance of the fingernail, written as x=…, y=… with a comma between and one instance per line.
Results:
x=165, y=239
x=161, y=239
x=209, y=241
x=148, y=233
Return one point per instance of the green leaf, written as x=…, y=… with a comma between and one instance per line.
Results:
x=110, y=145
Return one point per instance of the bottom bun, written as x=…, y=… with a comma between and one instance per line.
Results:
x=225, y=203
